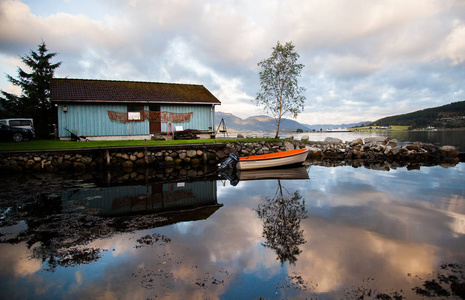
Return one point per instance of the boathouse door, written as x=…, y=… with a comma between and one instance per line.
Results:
x=155, y=125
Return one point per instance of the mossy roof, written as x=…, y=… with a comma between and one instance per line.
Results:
x=90, y=90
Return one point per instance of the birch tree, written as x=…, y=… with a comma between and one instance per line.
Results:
x=279, y=92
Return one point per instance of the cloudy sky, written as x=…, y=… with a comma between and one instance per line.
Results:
x=364, y=59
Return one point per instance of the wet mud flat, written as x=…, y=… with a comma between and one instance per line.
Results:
x=62, y=234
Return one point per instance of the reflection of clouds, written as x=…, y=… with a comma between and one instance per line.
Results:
x=22, y=265
x=337, y=255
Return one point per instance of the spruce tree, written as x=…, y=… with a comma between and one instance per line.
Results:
x=34, y=101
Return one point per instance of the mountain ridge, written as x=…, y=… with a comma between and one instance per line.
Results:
x=268, y=124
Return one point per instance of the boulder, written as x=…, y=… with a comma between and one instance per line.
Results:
x=392, y=143
x=314, y=152
x=86, y=160
x=356, y=142
x=191, y=153
x=288, y=145
x=449, y=151
x=304, y=138
x=332, y=141
x=377, y=140
x=127, y=164
x=240, y=136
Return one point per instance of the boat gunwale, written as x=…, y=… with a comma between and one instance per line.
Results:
x=275, y=155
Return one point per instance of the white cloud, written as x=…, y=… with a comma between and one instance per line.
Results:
x=362, y=59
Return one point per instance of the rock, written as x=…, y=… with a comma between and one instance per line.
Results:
x=140, y=154
x=377, y=140
x=240, y=136
x=314, y=152
x=392, y=143
x=449, y=151
x=430, y=147
x=86, y=160
x=29, y=163
x=333, y=141
x=127, y=164
x=356, y=142
x=304, y=138
x=412, y=147
x=221, y=154
x=288, y=145
x=191, y=153
x=79, y=166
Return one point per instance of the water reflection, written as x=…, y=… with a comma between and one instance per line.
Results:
x=61, y=225
x=281, y=216
x=363, y=234
x=154, y=197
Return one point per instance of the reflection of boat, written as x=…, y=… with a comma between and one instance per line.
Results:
x=271, y=160
x=280, y=173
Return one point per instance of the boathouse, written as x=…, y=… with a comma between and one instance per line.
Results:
x=116, y=110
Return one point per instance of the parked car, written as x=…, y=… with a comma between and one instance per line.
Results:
x=16, y=134
x=19, y=122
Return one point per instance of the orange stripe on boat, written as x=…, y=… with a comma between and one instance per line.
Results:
x=273, y=155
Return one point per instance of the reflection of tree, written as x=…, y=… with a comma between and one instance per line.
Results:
x=281, y=217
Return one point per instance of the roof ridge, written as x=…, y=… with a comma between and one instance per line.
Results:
x=116, y=80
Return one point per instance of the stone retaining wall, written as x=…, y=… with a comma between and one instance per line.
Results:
x=129, y=158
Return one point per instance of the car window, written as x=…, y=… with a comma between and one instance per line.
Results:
x=15, y=123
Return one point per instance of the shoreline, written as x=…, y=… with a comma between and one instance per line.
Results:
x=370, y=150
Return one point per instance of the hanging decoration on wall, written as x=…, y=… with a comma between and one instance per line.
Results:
x=154, y=116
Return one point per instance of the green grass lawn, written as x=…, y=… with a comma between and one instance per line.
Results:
x=55, y=144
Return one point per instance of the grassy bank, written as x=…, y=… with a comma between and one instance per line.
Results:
x=370, y=128
x=55, y=144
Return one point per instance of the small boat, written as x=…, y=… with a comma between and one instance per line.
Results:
x=271, y=160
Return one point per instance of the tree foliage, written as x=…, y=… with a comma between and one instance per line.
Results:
x=34, y=101
x=430, y=116
x=279, y=92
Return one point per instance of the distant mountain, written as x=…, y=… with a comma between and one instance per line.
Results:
x=256, y=123
x=268, y=124
x=450, y=115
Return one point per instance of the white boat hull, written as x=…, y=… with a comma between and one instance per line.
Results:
x=272, y=162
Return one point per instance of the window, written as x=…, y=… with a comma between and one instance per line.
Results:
x=135, y=112
x=20, y=123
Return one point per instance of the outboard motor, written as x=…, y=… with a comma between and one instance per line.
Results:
x=232, y=159
x=233, y=180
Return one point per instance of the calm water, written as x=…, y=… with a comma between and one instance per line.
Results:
x=319, y=233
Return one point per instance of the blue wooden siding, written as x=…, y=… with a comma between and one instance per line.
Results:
x=201, y=118
x=92, y=119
